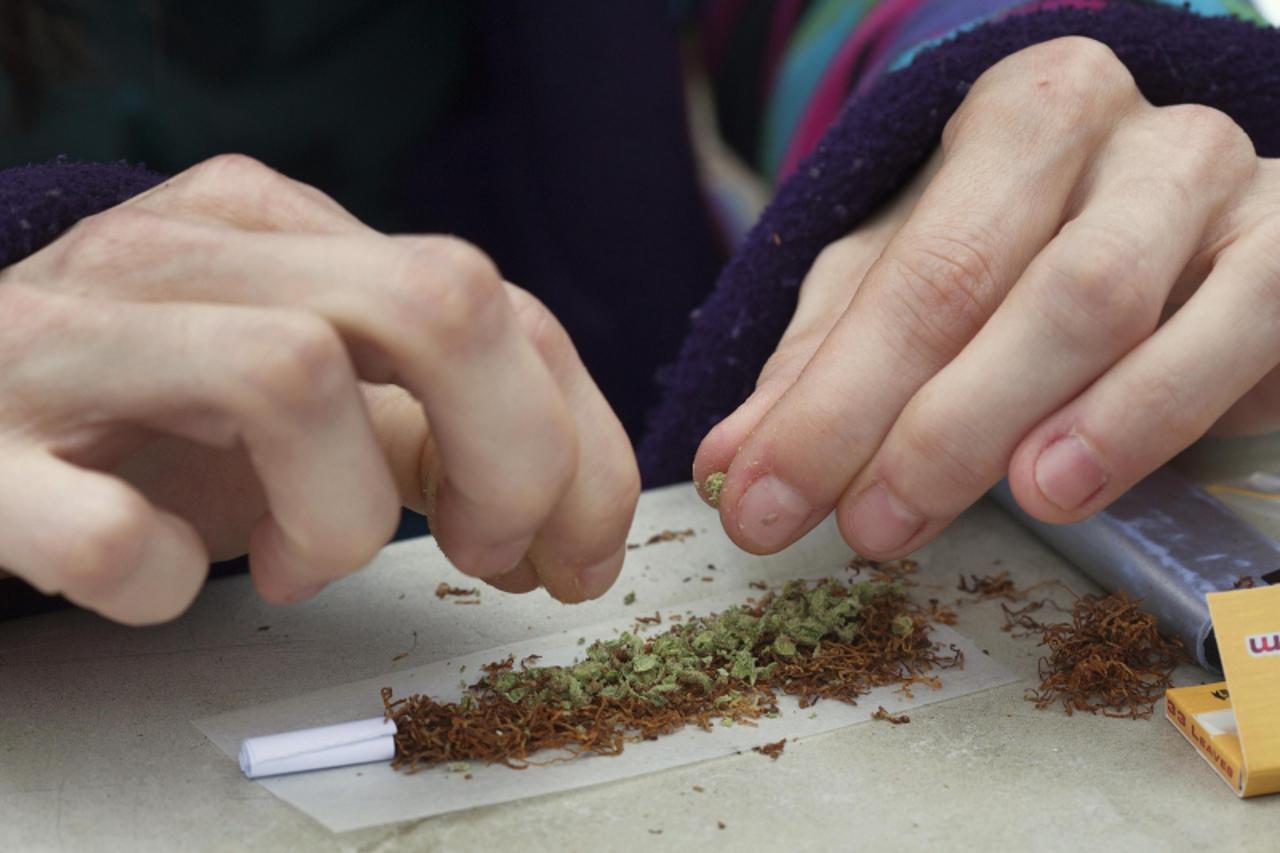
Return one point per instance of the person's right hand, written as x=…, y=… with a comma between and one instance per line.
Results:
x=231, y=362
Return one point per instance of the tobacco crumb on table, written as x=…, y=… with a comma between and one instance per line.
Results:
x=445, y=590
x=720, y=824
x=400, y=656
x=698, y=789
x=773, y=750
x=670, y=536
x=896, y=719
x=629, y=598
x=264, y=627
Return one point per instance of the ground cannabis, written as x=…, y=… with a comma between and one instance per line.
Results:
x=712, y=488
x=820, y=640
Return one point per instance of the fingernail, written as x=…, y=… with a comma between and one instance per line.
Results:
x=1068, y=473
x=594, y=581
x=881, y=522
x=771, y=512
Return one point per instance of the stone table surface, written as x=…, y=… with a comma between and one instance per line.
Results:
x=98, y=752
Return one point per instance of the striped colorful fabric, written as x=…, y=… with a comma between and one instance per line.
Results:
x=814, y=53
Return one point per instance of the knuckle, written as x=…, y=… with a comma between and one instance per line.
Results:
x=229, y=184
x=543, y=330
x=225, y=171
x=1165, y=399
x=450, y=287
x=1067, y=80
x=947, y=288
x=107, y=548
x=1101, y=288
x=112, y=239
x=297, y=362
x=948, y=451
x=1217, y=145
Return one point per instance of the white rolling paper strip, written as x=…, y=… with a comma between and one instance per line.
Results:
x=359, y=742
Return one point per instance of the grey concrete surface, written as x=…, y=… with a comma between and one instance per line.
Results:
x=97, y=751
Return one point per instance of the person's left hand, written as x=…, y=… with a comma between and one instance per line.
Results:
x=1078, y=286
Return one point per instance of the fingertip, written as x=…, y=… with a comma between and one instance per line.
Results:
x=480, y=560
x=523, y=578
x=278, y=574
x=595, y=580
x=169, y=575
x=1059, y=478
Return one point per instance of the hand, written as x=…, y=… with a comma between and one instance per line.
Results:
x=232, y=362
x=1078, y=286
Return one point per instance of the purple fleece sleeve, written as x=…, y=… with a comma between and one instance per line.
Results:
x=38, y=203
x=877, y=143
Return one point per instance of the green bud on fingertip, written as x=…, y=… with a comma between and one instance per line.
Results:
x=712, y=487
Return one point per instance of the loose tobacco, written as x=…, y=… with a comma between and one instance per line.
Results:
x=1109, y=659
x=821, y=640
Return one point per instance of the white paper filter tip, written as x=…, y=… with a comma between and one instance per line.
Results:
x=359, y=742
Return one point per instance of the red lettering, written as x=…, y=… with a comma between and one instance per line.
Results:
x=1264, y=644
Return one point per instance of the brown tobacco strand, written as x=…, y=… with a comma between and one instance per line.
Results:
x=773, y=750
x=1109, y=659
x=896, y=719
x=990, y=586
x=443, y=590
x=489, y=726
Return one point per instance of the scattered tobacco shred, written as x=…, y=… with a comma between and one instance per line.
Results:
x=987, y=587
x=896, y=719
x=664, y=536
x=655, y=619
x=1109, y=659
x=820, y=640
x=444, y=590
x=1243, y=582
x=758, y=585
x=773, y=750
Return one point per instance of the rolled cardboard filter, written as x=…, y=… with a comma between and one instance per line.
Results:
x=358, y=742
x=1169, y=543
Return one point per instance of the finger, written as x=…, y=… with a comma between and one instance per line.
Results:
x=523, y=578
x=1256, y=413
x=95, y=540
x=996, y=201
x=278, y=381
x=825, y=295
x=1162, y=396
x=232, y=189
x=1094, y=293
x=579, y=551
x=427, y=313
